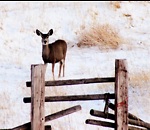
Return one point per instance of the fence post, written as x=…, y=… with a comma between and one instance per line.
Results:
x=121, y=95
x=37, y=96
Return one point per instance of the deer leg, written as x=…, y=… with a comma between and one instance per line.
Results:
x=63, y=68
x=53, y=65
x=60, y=68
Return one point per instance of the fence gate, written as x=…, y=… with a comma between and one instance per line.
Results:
x=38, y=98
x=122, y=118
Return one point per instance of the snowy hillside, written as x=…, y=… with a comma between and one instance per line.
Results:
x=73, y=21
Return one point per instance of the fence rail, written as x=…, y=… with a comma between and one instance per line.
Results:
x=73, y=98
x=27, y=126
x=75, y=81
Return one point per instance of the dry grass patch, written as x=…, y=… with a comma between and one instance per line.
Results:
x=116, y=4
x=103, y=36
x=140, y=78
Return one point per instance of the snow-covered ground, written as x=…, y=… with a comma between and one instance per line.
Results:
x=20, y=47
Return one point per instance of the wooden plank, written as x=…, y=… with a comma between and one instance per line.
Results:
x=100, y=123
x=38, y=96
x=112, y=117
x=62, y=113
x=102, y=114
x=75, y=81
x=139, y=123
x=130, y=116
x=108, y=124
x=48, y=127
x=27, y=126
x=121, y=95
x=73, y=98
x=135, y=128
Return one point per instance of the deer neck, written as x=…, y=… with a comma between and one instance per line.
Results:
x=45, y=51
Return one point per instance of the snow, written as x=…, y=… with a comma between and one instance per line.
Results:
x=20, y=47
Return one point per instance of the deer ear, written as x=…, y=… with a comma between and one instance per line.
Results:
x=38, y=32
x=50, y=32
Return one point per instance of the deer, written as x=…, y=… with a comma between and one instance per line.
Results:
x=54, y=52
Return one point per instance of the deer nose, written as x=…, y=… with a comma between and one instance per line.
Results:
x=45, y=42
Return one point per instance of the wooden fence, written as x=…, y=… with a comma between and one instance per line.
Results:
x=121, y=117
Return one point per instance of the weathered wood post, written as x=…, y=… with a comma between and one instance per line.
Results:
x=38, y=96
x=121, y=95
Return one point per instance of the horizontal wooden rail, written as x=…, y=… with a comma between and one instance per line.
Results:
x=130, y=116
x=75, y=81
x=73, y=98
x=48, y=127
x=109, y=124
x=101, y=123
x=27, y=126
x=102, y=114
x=135, y=128
x=139, y=123
x=112, y=117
